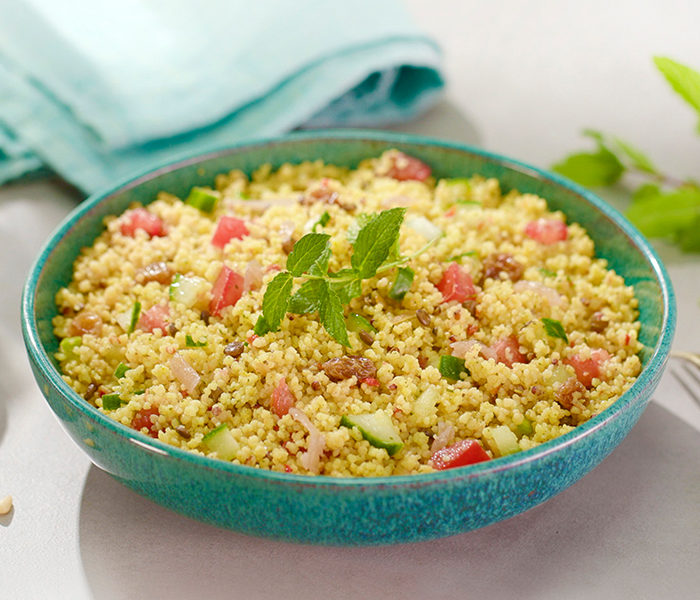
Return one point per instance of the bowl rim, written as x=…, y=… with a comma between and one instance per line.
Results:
x=485, y=469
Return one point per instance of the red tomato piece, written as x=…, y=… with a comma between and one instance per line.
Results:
x=154, y=318
x=451, y=212
x=143, y=419
x=588, y=369
x=370, y=381
x=406, y=168
x=140, y=218
x=227, y=290
x=227, y=229
x=547, y=231
x=282, y=399
x=459, y=454
x=456, y=284
x=507, y=351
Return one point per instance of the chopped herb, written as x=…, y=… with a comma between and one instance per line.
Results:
x=458, y=181
x=111, y=401
x=203, y=199
x=524, y=428
x=468, y=203
x=452, y=367
x=402, y=283
x=554, y=329
x=190, y=343
x=548, y=273
x=121, y=370
x=139, y=392
x=135, y=312
x=375, y=250
x=68, y=346
x=322, y=221
x=359, y=323
x=244, y=195
x=459, y=257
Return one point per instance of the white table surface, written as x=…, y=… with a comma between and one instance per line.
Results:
x=524, y=79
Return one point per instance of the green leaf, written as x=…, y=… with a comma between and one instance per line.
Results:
x=357, y=322
x=305, y=299
x=360, y=221
x=121, y=370
x=276, y=299
x=402, y=283
x=306, y=252
x=592, y=169
x=554, y=329
x=684, y=80
x=261, y=327
x=330, y=313
x=375, y=241
x=459, y=257
x=666, y=214
x=646, y=192
x=348, y=289
x=190, y=343
x=548, y=272
x=688, y=238
x=320, y=267
x=322, y=221
x=638, y=158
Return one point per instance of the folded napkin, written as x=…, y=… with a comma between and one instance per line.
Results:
x=96, y=91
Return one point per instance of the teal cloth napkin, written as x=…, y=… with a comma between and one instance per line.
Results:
x=96, y=91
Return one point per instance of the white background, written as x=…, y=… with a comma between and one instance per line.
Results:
x=524, y=79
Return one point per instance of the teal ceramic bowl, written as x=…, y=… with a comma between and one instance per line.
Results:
x=348, y=511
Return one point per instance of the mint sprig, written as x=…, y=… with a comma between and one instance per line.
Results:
x=374, y=239
x=662, y=206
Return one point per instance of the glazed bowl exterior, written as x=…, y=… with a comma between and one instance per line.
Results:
x=348, y=511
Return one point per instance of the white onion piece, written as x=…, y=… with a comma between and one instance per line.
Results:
x=311, y=459
x=551, y=296
x=461, y=349
x=444, y=436
x=422, y=226
x=253, y=277
x=184, y=373
x=489, y=352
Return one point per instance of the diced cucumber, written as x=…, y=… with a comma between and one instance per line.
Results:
x=377, y=429
x=187, y=289
x=425, y=407
x=121, y=370
x=524, y=428
x=452, y=367
x=111, y=401
x=501, y=440
x=203, y=199
x=68, y=346
x=221, y=441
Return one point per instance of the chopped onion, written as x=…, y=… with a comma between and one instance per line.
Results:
x=551, y=296
x=253, y=277
x=184, y=373
x=444, y=436
x=461, y=349
x=311, y=459
x=421, y=225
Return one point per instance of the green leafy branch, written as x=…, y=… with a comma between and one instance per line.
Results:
x=663, y=206
x=375, y=244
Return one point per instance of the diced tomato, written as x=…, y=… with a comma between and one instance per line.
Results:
x=251, y=338
x=227, y=229
x=451, y=212
x=588, y=369
x=456, y=284
x=143, y=419
x=227, y=290
x=140, y=218
x=459, y=454
x=370, y=381
x=507, y=351
x=405, y=168
x=282, y=399
x=546, y=231
x=287, y=469
x=273, y=267
x=154, y=318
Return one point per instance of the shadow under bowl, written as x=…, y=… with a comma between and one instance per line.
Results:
x=348, y=511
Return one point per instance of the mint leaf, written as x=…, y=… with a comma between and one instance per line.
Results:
x=688, y=238
x=305, y=299
x=646, y=192
x=347, y=289
x=360, y=221
x=330, y=312
x=320, y=267
x=190, y=343
x=402, y=283
x=135, y=313
x=458, y=257
x=374, y=241
x=306, y=252
x=665, y=214
x=261, y=326
x=684, y=80
x=276, y=299
x=554, y=329
x=592, y=169
x=637, y=157
x=322, y=221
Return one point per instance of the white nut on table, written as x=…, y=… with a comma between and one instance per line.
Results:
x=5, y=505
